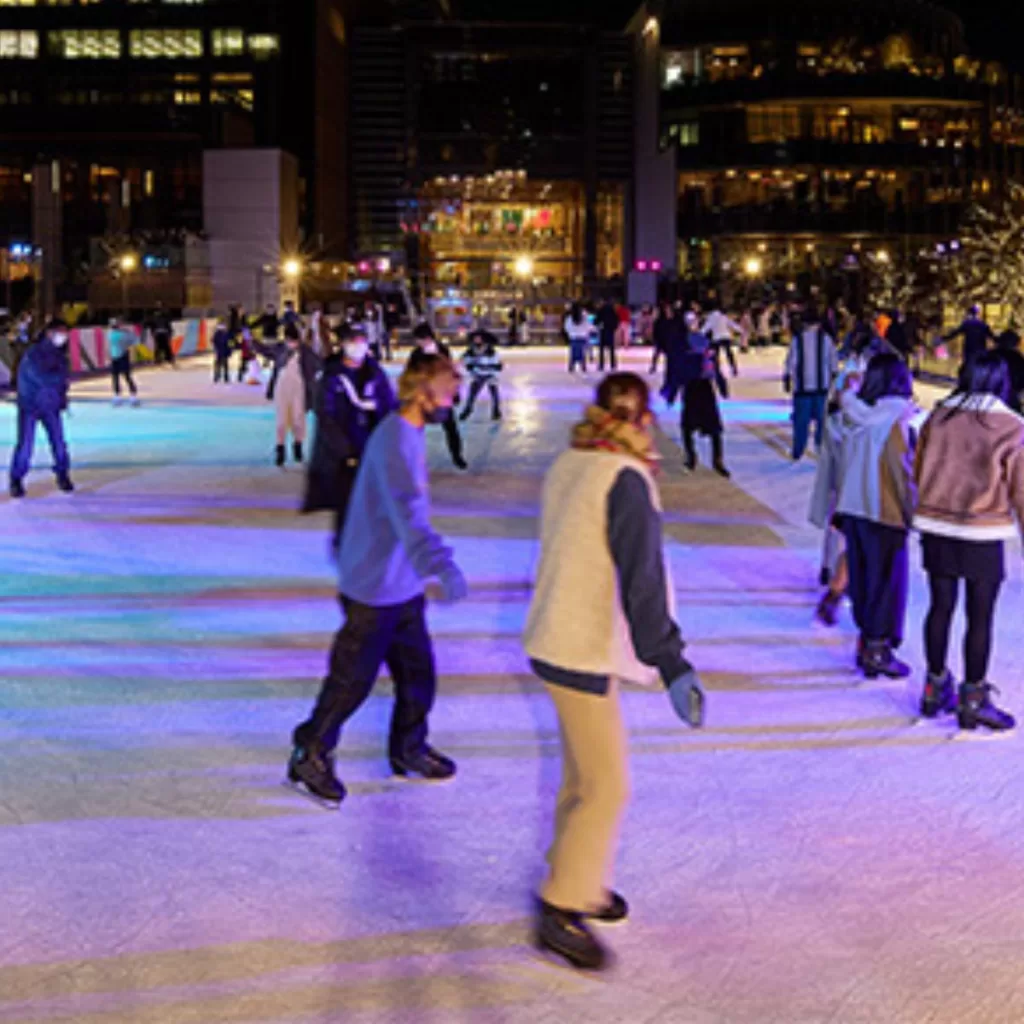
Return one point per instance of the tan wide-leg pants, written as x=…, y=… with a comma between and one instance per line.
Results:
x=595, y=790
x=290, y=405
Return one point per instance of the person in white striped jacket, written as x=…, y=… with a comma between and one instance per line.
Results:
x=484, y=366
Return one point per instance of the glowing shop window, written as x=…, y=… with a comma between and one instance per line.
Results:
x=166, y=43
x=228, y=42
x=263, y=46
x=85, y=43
x=23, y=45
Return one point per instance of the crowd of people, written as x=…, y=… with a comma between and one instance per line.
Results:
x=601, y=611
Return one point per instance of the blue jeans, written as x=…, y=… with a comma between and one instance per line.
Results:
x=21, y=461
x=577, y=355
x=807, y=409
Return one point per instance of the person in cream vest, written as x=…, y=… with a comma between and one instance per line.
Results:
x=601, y=615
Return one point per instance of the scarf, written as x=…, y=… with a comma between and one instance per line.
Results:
x=600, y=431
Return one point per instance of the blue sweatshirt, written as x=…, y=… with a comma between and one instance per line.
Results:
x=389, y=549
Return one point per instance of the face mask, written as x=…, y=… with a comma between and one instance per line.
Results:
x=355, y=351
x=60, y=340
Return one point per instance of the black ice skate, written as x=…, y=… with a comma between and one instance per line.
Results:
x=17, y=489
x=297, y=451
x=65, y=484
x=880, y=661
x=566, y=934
x=312, y=775
x=977, y=710
x=279, y=456
x=615, y=911
x=427, y=763
x=939, y=697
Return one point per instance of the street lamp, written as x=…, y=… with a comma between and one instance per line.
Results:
x=292, y=269
x=128, y=264
x=524, y=267
x=882, y=255
x=752, y=267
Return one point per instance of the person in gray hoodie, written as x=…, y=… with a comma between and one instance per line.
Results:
x=389, y=553
x=876, y=501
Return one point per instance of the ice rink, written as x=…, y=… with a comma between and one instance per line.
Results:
x=816, y=856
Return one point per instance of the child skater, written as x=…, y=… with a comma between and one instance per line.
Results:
x=221, y=352
x=484, y=366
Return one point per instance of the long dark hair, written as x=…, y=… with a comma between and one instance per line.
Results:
x=987, y=374
x=576, y=313
x=887, y=376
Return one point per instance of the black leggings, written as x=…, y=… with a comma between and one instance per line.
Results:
x=981, y=605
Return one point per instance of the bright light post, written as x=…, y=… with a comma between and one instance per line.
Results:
x=753, y=266
x=291, y=270
x=128, y=263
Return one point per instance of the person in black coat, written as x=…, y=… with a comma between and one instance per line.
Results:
x=975, y=332
x=426, y=342
x=661, y=331
x=354, y=396
x=1008, y=344
x=697, y=369
x=43, y=382
x=161, y=329
x=608, y=325
x=673, y=337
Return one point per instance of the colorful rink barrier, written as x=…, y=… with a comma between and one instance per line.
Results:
x=89, y=350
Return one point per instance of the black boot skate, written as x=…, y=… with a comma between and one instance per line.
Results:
x=17, y=489
x=880, y=661
x=939, y=697
x=428, y=763
x=566, y=934
x=65, y=484
x=297, y=451
x=312, y=774
x=279, y=456
x=615, y=911
x=977, y=710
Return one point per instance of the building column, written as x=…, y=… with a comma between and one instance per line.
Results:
x=47, y=234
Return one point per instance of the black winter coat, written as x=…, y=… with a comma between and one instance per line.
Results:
x=350, y=405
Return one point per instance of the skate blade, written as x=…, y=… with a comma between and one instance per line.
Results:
x=303, y=790
x=982, y=735
x=420, y=780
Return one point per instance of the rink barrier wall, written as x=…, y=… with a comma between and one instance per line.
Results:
x=89, y=347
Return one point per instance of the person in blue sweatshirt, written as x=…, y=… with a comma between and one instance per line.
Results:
x=389, y=554
x=42, y=397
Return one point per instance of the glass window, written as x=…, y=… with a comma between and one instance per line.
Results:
x=263, y=46
x=166, y=43
x=85, y=43
x=228, y=42
x=23, y=45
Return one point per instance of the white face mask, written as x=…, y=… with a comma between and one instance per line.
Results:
x=59, y=339
x=355, y=351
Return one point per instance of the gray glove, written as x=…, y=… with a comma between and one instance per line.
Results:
x=688, y=698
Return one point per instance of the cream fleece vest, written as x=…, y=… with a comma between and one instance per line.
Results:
x=576, y=620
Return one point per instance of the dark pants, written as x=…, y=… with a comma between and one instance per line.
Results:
x=122, y=367
x=656, y=355
x=243, y=364
x=717, y=448
x=346, y=484
x=474, y=393
x=807, y=409
x=162, y=348
x=877, y=560
x=981, y=605
x=577, y=355
x=397, y=635
x=607, y=345
x=453, y=438
x=21, y=461
x=222, y=368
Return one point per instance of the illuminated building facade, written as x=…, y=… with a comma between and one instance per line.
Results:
x=806, y=132
x=514, y=154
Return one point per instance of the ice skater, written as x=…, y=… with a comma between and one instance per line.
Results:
x=970, y=478
x=484, y=366
x=601, y=613
x=721, y=328
x=291, y=389
x=162, y=330
x=122, y=339
x=697, y=371
x=426, y=342
x=811, y=366
x=222, y=352
x=389, y=555
x=876, y=505
x=579, y=331
x=353, y=397
x=43, y=382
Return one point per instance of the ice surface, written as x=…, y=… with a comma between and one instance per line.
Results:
x=814, y=856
